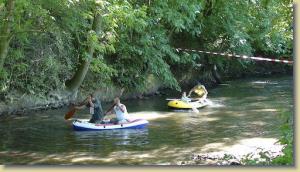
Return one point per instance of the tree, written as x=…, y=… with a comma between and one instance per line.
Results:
x=5, y=31
x=86, y=44
x=74, y=83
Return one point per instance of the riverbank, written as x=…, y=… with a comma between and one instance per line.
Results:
x=20, y=104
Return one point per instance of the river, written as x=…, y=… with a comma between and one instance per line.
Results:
x=244, y=114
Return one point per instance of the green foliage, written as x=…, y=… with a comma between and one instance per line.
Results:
x=287, y=138
x=241, y=27
x=142, y=48
x=34, y=63
x=287, y=158
x=262, y=158
x=138, y=39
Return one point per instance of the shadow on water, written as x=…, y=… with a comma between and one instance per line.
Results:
x=243, y=116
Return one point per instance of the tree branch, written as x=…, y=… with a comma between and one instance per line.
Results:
x=23, y=31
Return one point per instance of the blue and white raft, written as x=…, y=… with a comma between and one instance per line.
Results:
x=84, y=125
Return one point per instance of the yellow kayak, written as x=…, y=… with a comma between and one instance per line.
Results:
x=179, y=104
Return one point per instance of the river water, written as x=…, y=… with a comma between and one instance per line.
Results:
x=244, y=115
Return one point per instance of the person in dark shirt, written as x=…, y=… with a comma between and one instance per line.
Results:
x=95, y=109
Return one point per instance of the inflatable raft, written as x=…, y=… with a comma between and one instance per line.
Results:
x=179, y=104
x=84, y=125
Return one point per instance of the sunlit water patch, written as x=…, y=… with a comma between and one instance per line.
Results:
x=242, y=116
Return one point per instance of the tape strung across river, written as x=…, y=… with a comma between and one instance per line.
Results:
x=239, y=56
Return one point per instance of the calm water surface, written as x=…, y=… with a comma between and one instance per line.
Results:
x=241, y=110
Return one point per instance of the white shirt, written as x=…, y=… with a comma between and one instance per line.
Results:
x=120, y=114
x=185, y=99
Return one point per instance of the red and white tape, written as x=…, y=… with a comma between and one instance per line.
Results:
x=239, y=56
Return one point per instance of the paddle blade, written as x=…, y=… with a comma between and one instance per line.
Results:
x=70, y=114
x=173, y=99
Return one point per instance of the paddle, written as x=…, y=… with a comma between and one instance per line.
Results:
x=192, y=99
x=172, y=99
x=109, y=109
x=180, y=99
x=195, y=110
x=69, y=114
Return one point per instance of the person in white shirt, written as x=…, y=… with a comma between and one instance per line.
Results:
x=185, y=98
x=120, y=111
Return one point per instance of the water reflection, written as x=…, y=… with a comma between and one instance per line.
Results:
x=264, y=82
x=240, y=113
x=135, y=137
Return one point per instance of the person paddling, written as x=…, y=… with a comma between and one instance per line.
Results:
x=201, y=91
x=95, y=109
x=120, y=112
x=185, y=98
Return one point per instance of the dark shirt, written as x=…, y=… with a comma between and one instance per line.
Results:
x=98, y=111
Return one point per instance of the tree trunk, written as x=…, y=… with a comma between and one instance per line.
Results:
x=74, y=83
x=208, y=8
x=216, y=75
x=5, y=35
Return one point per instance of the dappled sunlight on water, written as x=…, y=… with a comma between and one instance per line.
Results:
x=161, y=155
x=240, y=118
x=264, y=82
x=150, y=115
x=264, y=110
x=244, y=146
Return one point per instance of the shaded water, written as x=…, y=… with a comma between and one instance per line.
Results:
x=242, y=112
